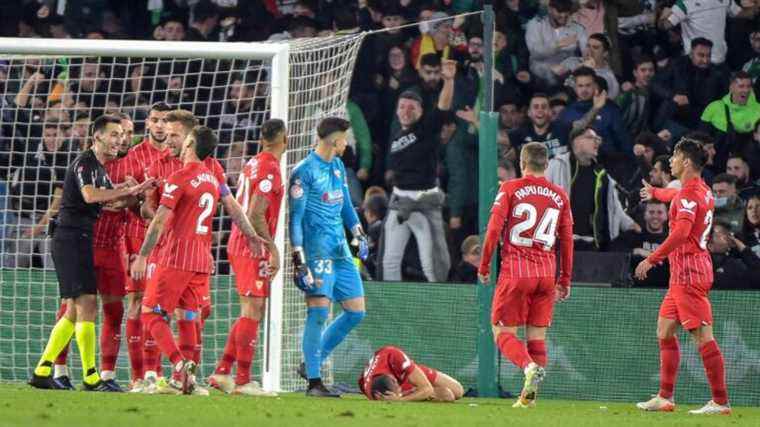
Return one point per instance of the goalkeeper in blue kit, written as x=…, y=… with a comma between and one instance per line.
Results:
x=320, y=207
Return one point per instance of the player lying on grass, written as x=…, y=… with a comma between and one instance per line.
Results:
x=320, y=208
x=392, y=375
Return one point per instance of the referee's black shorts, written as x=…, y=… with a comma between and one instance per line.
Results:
x=74, y=262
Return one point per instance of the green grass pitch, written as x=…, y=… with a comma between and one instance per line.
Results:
x=23, y=406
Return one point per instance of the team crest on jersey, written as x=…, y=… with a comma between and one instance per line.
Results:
x=169, y=189
x=687, y=206
x=337, y=173
x=265, y=186
x=296, y=191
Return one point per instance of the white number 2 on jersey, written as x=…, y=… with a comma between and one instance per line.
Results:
x=706, y=233
x=544, y=233
x=207, y=203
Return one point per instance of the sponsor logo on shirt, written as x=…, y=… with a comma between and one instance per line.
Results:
x=333, y=197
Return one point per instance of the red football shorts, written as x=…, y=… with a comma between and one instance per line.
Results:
x=688, y=304
x=204, y=293
x=172, y=288
x=250, y=276
x=133, y=245
x=110, y=271
x=519, y=302
x=430, y=373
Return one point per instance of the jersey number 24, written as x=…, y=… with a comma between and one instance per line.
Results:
x=544, y=233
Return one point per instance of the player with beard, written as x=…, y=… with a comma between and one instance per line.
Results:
x=185, y=262
x=139, y=158
x=179, y=124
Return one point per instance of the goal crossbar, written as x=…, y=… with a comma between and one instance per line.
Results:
x=140, y=48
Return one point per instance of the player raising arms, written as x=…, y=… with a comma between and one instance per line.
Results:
x=320, y=206
x=139, y=158
x=179, y=124
x=528, y=215
x=260, y=191
x=185, y=261
x=691, y=277
x=392, y=375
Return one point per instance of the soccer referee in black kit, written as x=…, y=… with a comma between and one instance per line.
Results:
x=85, y=188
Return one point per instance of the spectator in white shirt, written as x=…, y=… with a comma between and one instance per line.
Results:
x=705, y=18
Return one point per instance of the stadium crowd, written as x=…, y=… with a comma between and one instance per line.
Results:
x=609, y=86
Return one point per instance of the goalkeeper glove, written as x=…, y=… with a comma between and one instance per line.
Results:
x=303, y=278
x=361, y=242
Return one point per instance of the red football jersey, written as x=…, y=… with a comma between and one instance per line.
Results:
x=260, y=176
x=528, y=215
x=392, y=361
x=192, y=194
x=139, y=158
x=690, y=262
x=168, y=165
x=109, y=228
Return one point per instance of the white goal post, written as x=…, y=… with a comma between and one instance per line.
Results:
x=302, y=81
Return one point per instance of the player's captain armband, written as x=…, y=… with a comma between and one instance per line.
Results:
x=224, y=190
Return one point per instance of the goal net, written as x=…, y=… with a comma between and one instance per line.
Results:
x=50, y=91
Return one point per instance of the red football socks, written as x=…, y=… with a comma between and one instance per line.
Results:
x=110, y=335
x=712, y=358
x=670, y=357
x=135, y=347
x=537, y=352
x=513, y=349
x=228, y=357
x=186, y=330
x=245, y=347
x=205, y=313
x=150, y=349
x=162, y=334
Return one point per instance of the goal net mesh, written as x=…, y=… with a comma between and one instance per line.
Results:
x=46, y=106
